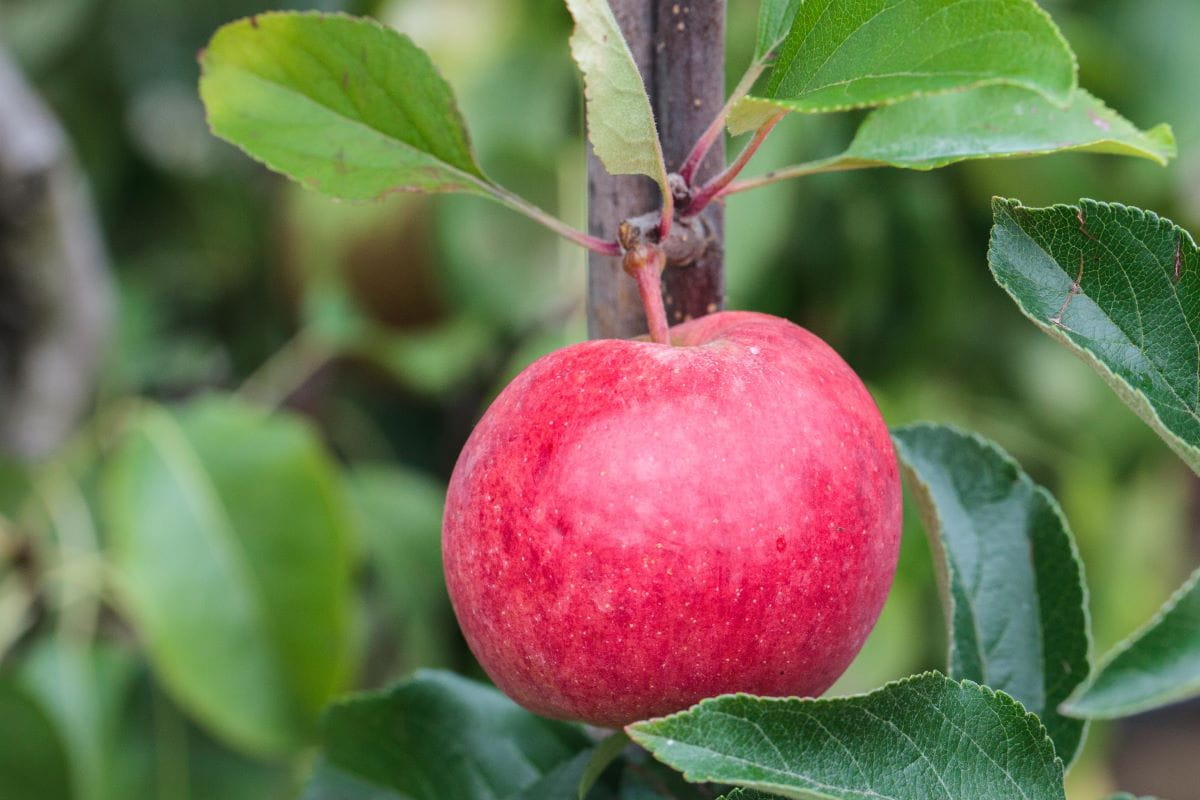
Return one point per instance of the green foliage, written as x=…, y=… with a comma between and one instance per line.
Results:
x=438, y=736
x=1008, y=570
x=601, y=757
x=1120, y=287
x=993, y=122
x=775, y=18
x=84, y=689
x=921, y=738
x=844, y=54
x=400, y=515
x=620, y=123
x=348, y=106
x=33, y=760
x=1159, y=664
x=228, y=533
x=879, y=274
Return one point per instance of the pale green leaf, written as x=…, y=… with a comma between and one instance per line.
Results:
x=923, y=738
x=1120, y=287
x=228, y=538
x=1008, y=571
x=84, y=688
x=1158, y=665
x=348, y=106
x=620, y=121
x=775, y=18
x=843, y=54
x=439, y=736
x=992, y=122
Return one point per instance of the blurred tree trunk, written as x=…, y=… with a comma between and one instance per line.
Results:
x=680, y=49
x=55, y=295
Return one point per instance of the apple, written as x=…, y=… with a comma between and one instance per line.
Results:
x=633, y=527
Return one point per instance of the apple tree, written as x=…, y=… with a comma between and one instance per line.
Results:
x=747, y=437
x=357, y=111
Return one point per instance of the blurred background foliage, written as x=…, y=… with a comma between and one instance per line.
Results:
x=142, y=658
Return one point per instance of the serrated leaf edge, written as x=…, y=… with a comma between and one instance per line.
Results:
x=942, y=564
x=646, y=739
x=480, y=181
x=1114, y=712
x=1129, y=394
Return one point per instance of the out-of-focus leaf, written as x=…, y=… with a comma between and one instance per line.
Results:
x=33, y=758
x=84, y=689
x=228, y=536
x=400, y=514
x=1158, y=665
x=603, y=755
x=438, y=736
x=843, y=54
x=620, y=122
x=1008, y=571
x=1120, y=287
x=345, y=105
x=920, y=738
x=992, y=122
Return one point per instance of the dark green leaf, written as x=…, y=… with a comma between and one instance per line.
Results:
x=843, y=54
x=603, y=755
x=1158, y=665
x=347, y=106
x=440, y=736
x=992, y=122
x=228, y=536
x=1120, y=287
x=33, y=759
x=747, y=794
x=923, y=738
x=1008, y=570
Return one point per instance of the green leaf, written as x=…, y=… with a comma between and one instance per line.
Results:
x=84, y=688
x=400, y=514
x=775, y=18
x=439, y=736
x=1158, y=665
x=1008, y=571
x=228, y=536
x=1120, y=287
x=620, y=121
x=843, y=54
x=348, y=106
x=993, y=122
x=922, y=738
x=747, y=794
x=603, y=755
x=33, y=759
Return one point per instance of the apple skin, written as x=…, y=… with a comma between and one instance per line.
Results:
x=633, y=527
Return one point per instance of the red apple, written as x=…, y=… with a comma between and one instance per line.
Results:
x=633, y=527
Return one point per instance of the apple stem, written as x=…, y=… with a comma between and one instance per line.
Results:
x=645, y=262
x=713, y=188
